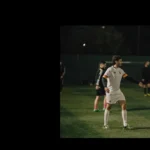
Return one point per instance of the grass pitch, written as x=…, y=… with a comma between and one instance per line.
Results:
x=77, y=119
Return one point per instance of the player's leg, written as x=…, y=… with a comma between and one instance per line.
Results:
x=110, y=99
x=124, y=111
x=100, y=92
x=145, y=93
x=104, y=103
x=145, y=87
x=124, y=114
x=96, y=101
x=106, y=115
x=148, y=85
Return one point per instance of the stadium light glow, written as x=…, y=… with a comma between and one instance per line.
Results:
x=84, y=44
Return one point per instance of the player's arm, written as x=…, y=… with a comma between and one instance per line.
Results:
x=104, y=79
x=104, y=82
x=125, y=76
x=64, y=71
x=97, y=78
x=105, y=76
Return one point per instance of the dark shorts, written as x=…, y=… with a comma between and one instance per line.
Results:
x=100, y=92
x=146, y=81
x=61, y=84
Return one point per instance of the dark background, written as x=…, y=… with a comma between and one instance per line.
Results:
x=136, y=40
x=133, y=44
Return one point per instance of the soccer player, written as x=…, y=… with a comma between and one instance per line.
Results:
x=111, y=81
x=146, y=78
x=99, y=86
x=62, y=73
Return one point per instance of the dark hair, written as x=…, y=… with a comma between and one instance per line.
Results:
x=115, y=58
x=102, y=62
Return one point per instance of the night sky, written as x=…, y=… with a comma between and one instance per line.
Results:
x=130, y=34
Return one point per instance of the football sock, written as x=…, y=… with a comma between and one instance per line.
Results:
x=124, y=117
x=96, y=104
x=106, y=116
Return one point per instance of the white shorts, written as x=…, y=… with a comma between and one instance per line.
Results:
x=114, y=96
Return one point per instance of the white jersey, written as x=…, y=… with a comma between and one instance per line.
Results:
x=114, y=76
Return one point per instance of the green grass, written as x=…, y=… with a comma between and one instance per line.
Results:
x=77, y=119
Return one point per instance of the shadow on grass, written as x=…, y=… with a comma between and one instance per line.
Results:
x=133, y=128
x=72, y=127
x=138, y=89
x=138, y=128
x=140, y=108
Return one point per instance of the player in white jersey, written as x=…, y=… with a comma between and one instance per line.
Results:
x=113, y=76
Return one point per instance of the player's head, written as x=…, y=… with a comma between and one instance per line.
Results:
x=146, y=63
x=117, y=60
x=60, y=62
x=102, y=64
